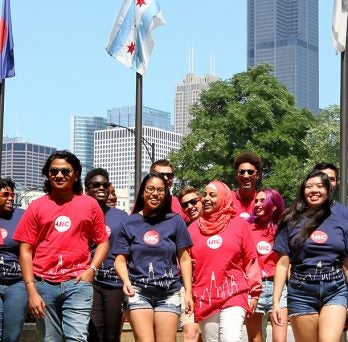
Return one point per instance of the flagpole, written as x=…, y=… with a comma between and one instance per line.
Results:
x=138, y=130
x=343, y=125
x=2, y=101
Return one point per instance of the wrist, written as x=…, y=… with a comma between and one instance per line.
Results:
x=94, y=268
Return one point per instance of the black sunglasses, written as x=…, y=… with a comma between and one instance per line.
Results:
x=192, y=201
x=53, y=171
x=97, y=185
x=167, y=174
x=250, y=172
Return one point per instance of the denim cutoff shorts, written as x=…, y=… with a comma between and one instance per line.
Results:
x=264, y=305
x=160, y=301
x=308, y=297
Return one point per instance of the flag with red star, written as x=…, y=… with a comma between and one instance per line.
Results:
x=131, y=41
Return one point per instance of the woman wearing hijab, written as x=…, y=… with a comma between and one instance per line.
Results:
x=226, y=271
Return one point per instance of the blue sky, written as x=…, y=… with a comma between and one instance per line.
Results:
x=62, y=67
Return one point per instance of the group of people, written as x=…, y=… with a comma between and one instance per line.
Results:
x=208, y=260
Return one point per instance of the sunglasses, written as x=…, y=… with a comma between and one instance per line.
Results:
x=167, y=174
x=192, y=201
x=97, y=185
x=53, y=171
x=7, y=194
x=151, y=189
x=250, y=172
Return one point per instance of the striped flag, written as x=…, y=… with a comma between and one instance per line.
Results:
x=131, y=41
x=6, y=42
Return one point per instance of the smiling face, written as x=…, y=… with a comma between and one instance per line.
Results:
x=6, y=200
x=153, y=194
x=191, y=205
x=167, y=173
x=210, y=200
x=98, y=188
x=61, y=176
x=315, y=192
x=247, y=177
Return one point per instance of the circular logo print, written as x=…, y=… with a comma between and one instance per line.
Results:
x=62, y=224
x=108, y=230
x=214, y=242
x=319, y=237
x=151, y=237
x=264, y=247
x=245, y=216
x=4, y=233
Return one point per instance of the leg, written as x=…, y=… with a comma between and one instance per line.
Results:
x=76, y=309
x=305, y=327
x=279, y=333
x=166, y=324
x=142, y=322
x=15, y=309
x=191, y=332
x=50, y=327
x=230, y=324
x=2, y=289
x=254, y=327
x=96, y=323
x=331, y=323
x=210, y=328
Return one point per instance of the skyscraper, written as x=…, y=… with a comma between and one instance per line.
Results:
x=284, y=33
x=187, y=93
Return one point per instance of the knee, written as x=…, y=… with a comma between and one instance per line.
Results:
x=191, y=332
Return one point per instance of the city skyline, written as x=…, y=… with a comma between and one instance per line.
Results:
x=63, y=69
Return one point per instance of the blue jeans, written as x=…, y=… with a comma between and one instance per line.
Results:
x=67, y=313
x=13, y=308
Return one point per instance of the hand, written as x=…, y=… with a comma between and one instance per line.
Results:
x=36, y=306
x=128, y=289
x=188, y=304
x=253, y=304
x=87, y=275
x=276, y=315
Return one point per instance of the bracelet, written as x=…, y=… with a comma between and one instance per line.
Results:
x=95, y=270
x=28, y=282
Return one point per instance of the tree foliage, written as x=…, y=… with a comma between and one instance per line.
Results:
x=251, y=111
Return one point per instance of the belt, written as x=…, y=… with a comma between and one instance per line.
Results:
x=268, y=278
x=40, y=279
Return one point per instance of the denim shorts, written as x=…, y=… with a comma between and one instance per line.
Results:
x=160, y=301
x=308, y=297
x=264, y=305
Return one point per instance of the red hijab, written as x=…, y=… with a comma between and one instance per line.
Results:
x=213, y=223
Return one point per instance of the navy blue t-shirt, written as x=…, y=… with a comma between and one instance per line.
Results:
x=340, y=210
x=151, y=245
x=106, y=273
x=9, y=251
x=321, y=254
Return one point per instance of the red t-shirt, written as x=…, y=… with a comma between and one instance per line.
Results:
x=244, y=208
x=219, y=261
x=61, y=234
x=264, y=240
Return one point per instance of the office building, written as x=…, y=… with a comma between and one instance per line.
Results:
x=114, y=150
x=82, y=138
x=284, y=33
x=187, y=93
x=125, y=116
x=23, y=161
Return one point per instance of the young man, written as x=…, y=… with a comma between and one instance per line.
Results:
x=248, y=170
x=106, y=315
x=165, y=168
x=55, y=235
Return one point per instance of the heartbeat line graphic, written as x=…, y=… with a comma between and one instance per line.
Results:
x=223, y=290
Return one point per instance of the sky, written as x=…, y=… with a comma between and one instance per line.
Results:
x=62, y=67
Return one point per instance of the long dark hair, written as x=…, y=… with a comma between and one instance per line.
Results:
x=71, y=159
x=300, y=210
x=165, y=207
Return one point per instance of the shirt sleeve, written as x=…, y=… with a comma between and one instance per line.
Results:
x=121, y=243
x=26, y=230
x=99, y=232
x=281, y=241
x=183, y=238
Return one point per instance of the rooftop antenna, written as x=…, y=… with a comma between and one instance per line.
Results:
x=191, y=59
x=212, y=63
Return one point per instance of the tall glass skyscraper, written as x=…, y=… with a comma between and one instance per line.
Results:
x=284, y=33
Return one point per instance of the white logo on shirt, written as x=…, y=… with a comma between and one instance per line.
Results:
x=214, y=242
x=62, y=224
x=244, y=215
x=264, y=247
x=108, y=230
x=4, y=233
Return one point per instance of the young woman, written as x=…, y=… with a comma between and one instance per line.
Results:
x=226, y=270
x=148, y=246
x=314, y=242
x=268, y=207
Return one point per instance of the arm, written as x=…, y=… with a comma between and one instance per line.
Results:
x=122, y=271
x=36, y=303
x=253, y=277
x=100, y=254
x=345, y=268
x=280, y=277
x=186, y=274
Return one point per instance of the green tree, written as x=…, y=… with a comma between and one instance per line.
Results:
x=251, y=111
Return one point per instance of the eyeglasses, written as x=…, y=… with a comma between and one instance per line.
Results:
x=97, y=185
x=53, y=171
x=250, y=172
x=151, y=189
x=192, y=201
x=167, y=174
x=7, y=194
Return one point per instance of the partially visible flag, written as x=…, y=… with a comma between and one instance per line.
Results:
x=7, y=68
x=339, y=25
x=130, y=41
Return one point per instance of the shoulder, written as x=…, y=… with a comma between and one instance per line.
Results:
x=116, y=213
